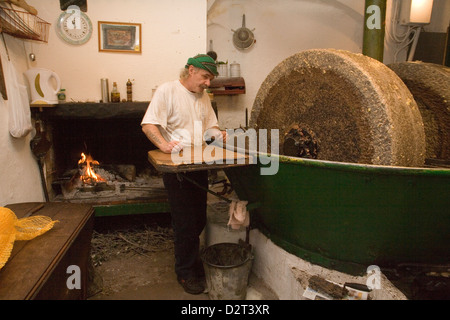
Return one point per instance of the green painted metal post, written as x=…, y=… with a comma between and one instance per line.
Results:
x=374, y=28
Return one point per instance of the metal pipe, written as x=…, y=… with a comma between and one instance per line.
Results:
x=374, y=28
x=412, y=51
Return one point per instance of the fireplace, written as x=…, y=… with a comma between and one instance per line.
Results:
x=106, y=139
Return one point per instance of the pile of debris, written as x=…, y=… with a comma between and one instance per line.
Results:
x=105, y=246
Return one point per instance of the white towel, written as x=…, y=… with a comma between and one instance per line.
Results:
x=239, y=215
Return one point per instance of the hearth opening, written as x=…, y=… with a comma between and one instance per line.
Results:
x=102, y=161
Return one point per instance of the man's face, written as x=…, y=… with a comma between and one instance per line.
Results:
x=200, y=79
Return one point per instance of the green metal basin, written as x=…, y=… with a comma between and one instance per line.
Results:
x=348, y=216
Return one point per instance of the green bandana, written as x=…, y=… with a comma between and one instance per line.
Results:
x=203, y=61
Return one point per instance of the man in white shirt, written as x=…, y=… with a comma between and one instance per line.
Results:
x=171, y=122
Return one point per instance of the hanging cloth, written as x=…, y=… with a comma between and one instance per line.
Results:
x=238, y=212
x=239, y=215
x=18, y=103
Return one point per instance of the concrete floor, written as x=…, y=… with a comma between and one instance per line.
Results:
x=171, y=290
x=152, y=276
x=129, y=276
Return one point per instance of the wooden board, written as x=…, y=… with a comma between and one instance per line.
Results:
x=227, y=86
x=43, y=105
x=206, y=158
x=37, y=268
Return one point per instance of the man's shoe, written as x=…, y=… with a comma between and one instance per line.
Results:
x=199, y=270
x=192, y=285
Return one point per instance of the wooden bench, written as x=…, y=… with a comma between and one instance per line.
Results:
x=38, y=268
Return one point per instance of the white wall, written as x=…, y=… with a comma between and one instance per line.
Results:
x=285, y=27
x=282, y=28
x=440, y=17
x=19, y=173
x=172, y=31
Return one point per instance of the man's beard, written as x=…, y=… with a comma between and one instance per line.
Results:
x=202, y=88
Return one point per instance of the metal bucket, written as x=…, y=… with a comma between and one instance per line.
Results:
x=227, y=269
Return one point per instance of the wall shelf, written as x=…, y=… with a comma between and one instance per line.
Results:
x=227, y=86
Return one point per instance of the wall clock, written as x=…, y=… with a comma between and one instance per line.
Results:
x=74, y=27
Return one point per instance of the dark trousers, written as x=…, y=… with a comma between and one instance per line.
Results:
x=188, y=211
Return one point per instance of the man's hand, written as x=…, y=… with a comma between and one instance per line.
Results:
x=215, y=135
x=173, y=147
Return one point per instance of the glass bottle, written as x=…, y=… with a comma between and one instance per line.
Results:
x=115, y=94
x=129, y=91
x=62, y=96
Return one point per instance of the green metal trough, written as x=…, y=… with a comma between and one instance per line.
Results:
x=347, y=216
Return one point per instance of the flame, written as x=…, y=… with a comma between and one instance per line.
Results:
x=87, y=173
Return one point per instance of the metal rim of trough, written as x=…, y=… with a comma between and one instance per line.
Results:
x=359, y=109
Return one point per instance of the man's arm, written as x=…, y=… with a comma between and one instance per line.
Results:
x=154, y=135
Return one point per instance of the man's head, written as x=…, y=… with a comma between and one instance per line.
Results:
x=203, y=61
x=198, y=73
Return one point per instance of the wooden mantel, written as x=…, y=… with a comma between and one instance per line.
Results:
x=92, y=110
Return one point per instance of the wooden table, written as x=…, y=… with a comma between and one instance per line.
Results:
x=38, y=268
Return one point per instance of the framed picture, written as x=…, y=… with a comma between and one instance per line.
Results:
x=119, y=37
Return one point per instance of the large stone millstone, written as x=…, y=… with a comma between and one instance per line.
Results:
x=430, y=86
x=357, y=108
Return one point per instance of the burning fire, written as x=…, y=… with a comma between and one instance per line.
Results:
x=87, y=173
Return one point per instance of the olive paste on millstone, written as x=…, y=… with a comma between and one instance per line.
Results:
x=349, y=108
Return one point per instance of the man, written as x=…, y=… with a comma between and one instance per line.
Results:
x=178, y=111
